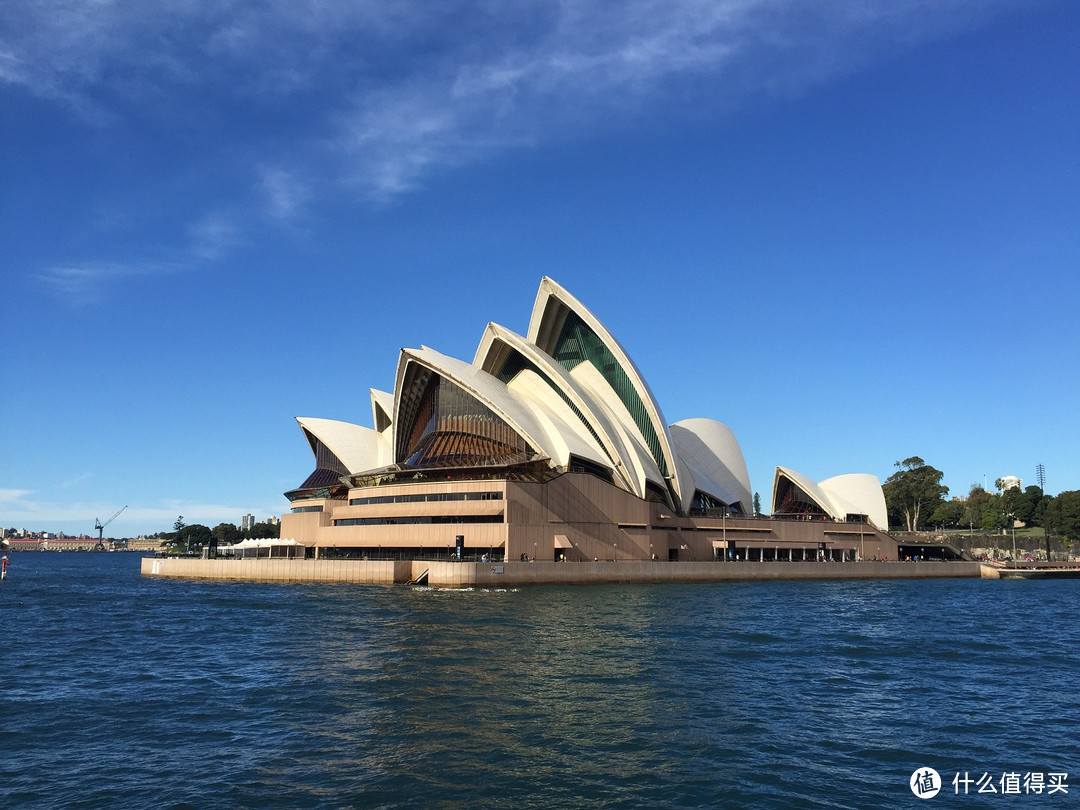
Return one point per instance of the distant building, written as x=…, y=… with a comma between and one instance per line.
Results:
x=273, y=520
x=247, y=521
x=1010, y=482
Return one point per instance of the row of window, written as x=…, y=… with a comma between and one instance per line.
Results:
x=432, y=497
x=306, y=509
x=395, y=521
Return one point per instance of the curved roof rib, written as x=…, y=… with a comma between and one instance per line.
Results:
x=505, y=354
x=382, y=409
x=565, y=438
x=564, y=328
x=637, y=459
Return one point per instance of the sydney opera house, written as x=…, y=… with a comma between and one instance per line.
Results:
x=551, y=446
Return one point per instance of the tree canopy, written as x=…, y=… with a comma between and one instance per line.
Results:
x=1026, y=503
x=262, y=531
x=187, y=539
x=948, y=513
x=914, y=491
x=226, y=534
x=1063, y=514
x=190, y=539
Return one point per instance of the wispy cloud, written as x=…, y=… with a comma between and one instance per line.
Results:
x=78, y=479
x=583, y=68
x=213, y=235
x=85, y=285
x=406, y=89
x=12, y=497
x=284, y=194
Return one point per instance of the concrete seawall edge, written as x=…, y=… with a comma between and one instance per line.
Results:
x=512, y=574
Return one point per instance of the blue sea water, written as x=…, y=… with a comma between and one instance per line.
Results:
x=131, y=692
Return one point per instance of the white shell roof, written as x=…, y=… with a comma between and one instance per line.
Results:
x=543, y=429
x=538, y=327
x=864, y=491
x=565, y=435
x=635, y=457
x=715, y=459
x=358, y=448
x=841, y=495
x=605, y=425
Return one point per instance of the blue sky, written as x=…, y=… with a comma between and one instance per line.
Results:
x=847, y=230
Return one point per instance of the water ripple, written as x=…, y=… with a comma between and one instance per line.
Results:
x=126, y=691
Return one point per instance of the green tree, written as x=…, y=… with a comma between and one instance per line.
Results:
x=993, y=517
x=261, y=531
x=195, y=537
x=1063, y=514
x=188, y=539
x=1025, y=504
x=914, y=490
x=757, y=503
x=226, y=534
x=973, y=507
x=168, y=539
x=948, y=513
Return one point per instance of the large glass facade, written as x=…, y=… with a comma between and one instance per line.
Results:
x=326, y=460
x=577, y=344
x=792, y=500
x=325, y=480
x=451, y=428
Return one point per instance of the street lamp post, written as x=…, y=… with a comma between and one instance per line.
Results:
x=725, y=532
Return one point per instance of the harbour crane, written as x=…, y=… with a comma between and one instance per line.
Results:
x=101, y=526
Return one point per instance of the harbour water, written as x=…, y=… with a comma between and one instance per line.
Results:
x=127, y=691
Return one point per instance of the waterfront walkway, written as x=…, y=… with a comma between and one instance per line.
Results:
x=507, y=574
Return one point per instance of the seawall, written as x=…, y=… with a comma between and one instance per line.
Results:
x=501, y=575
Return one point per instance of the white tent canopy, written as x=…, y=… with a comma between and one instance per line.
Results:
x=269, y=547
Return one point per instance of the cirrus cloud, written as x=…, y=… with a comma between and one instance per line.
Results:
x=403, y=90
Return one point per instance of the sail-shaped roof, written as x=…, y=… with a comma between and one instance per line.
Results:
x=837, y=497
x=355, y=447
x=505, y=354
x=564, y=328
x=715, y=460
x=567, y=395
x=539, y=423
